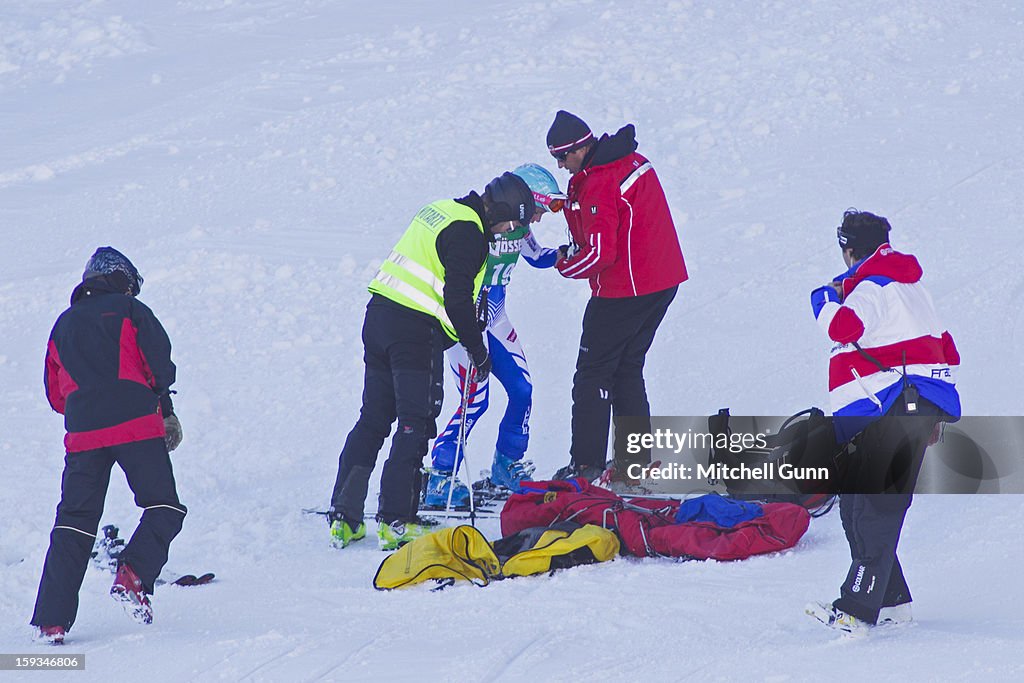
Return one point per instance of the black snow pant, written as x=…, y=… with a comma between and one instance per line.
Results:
x=147, y=467
x=404, y=380
x=617, y=333
x=879, y=491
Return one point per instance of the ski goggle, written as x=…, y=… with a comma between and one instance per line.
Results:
x=846, y=240
x=842, y=237
x=552, y=203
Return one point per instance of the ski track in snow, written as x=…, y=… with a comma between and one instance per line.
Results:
x=257, y=159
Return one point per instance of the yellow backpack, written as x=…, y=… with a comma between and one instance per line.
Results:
x=546, y=549
x=460, y=553
x=463, y=554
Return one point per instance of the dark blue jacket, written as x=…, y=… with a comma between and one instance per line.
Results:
x=108, y=368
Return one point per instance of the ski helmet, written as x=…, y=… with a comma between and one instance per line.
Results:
x=543, y=185
x=863, y=232
x=510, y=199
x=108, y=261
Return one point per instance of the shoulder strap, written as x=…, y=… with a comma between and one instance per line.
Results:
x=874, y=361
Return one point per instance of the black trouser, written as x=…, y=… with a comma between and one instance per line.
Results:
x=147, y=467
x=617, y=333
x=404, y=356
x=884, y=469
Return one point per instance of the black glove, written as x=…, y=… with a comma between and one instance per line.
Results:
x=481, y=361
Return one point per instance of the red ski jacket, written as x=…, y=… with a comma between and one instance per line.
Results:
x=624, y=240
x=108, y=369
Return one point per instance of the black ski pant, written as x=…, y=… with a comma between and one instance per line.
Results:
x=404, y=380
x=147, y=467
x=879, y=491
x=617, y=333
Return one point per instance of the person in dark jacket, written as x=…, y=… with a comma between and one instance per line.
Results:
x=423, y=301
x=623, y=241
x=109, y=372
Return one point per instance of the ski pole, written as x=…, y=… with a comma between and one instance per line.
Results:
x=460, y=450
x=461, y=447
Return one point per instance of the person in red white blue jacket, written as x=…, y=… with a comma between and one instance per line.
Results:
x=891, y=382
x=879, y=313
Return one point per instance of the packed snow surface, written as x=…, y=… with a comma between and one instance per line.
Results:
x=258, y=158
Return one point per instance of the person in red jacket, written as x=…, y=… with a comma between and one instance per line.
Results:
x=623, y=241
x=109, y=372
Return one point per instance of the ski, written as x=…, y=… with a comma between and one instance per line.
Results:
x=108, y=548
x=428, y=513
x=487, y=498
x=489, y=513
x=487, y=502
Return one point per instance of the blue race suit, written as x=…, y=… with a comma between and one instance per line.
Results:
x=507, y=356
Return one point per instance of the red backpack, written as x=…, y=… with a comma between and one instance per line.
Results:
x=647, y=526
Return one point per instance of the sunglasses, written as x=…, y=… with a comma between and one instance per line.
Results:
x=560, y=156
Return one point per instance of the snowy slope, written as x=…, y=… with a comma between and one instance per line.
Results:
x=257, y=158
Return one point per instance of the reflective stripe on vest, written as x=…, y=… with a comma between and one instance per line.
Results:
x=413, y=275
x=436, y=283
x=424, y=302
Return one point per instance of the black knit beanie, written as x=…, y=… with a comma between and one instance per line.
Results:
x=567, y=133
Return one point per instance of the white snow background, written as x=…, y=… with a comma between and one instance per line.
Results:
x=257, y=159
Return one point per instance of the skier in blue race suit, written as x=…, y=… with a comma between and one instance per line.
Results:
x=510, y=368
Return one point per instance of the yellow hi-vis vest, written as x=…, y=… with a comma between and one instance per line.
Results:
x=413, y=275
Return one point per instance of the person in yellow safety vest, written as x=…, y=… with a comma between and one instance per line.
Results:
x=422, y=302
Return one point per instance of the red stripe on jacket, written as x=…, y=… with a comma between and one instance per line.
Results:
x=949, y=347
x=132, y=363
x=139, y=429
x=926, y=350
x=58, y=382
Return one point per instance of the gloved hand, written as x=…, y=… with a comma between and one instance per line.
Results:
x=825, y=294
x=172, y=427
x=481, y=361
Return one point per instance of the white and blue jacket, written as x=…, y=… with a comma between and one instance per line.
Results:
x=887, y=312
